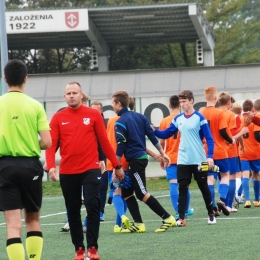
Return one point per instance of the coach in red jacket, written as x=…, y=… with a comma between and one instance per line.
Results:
x=77, y=128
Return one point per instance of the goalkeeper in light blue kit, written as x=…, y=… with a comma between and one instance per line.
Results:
x=193, y=128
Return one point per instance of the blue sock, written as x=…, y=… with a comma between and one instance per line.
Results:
x=245, y=183
x=256, y=189
x=188, y=201
x=118, y=217
x=212, y=192
x=239, y=192
x=174, y=194
x=223, y=190
x=119, y=204
x=118, y=220
x=231, y=193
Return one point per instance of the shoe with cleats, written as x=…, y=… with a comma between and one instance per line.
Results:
x=93, y=254
x=66, y=228
x=212, y=219
x=135, y=228
x=188, y=213
x=222, y=206
x=80, y=254
x=247, y=204
x=166, y=223
x=256, y=203
x=180, y=223
x=117, y=229
x=125, y=221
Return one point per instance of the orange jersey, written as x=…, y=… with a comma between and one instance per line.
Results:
x=112, y=139
x=239, y=124
x=252, y=147
x=217, y=120
x=172, y=143
x=232, y=149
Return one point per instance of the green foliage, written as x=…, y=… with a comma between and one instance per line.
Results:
x=235, y=29
x=236, y=25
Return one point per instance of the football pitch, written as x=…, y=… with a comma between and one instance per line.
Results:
x=233, y=237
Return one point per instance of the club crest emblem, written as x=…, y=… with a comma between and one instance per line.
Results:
x=86, y=121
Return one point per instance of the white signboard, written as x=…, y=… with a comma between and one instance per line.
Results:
x=47, y=21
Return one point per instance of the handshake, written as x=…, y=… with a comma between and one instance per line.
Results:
x=204, y=167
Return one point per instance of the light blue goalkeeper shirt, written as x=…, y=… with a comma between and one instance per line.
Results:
x=193, y=130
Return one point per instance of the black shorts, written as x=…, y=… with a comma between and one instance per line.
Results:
x=136, y=171
x=20, y=183
x=186, y=171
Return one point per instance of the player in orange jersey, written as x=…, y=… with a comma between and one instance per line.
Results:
x=170, y=147
x=250, y=160
x=236, y=132
x=218, y=123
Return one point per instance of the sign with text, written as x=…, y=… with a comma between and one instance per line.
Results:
x=47, y=21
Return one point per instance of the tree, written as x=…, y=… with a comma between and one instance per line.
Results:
x=236, y=24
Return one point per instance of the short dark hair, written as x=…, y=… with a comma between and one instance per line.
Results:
x=223, y=98
x=247, y=105
x=174, y=101
x=15, y=72
x=97, y=103
x=122, y=97
x=131, y=103
x=186, y=94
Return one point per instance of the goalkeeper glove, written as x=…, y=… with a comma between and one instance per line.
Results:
x=204, y=167
x=127, y=181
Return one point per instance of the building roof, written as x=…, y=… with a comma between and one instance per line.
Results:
x=128, y=25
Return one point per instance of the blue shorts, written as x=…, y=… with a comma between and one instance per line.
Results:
x=253, y=165
x=171, y=172
x=233, y=165
x=223, y=167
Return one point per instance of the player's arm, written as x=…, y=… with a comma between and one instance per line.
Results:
x=256, y=120
x=210, y=142
x=155, y=156
x=225, y=136
x=43, y=129
x=250, y=117
x=150, y=134
x=45, y=139
x=121, y=139
x=168, y=132
x=50, y=153
x=243, y=131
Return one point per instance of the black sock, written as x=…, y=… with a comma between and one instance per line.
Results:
x=134, y=209
x=156, y=207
